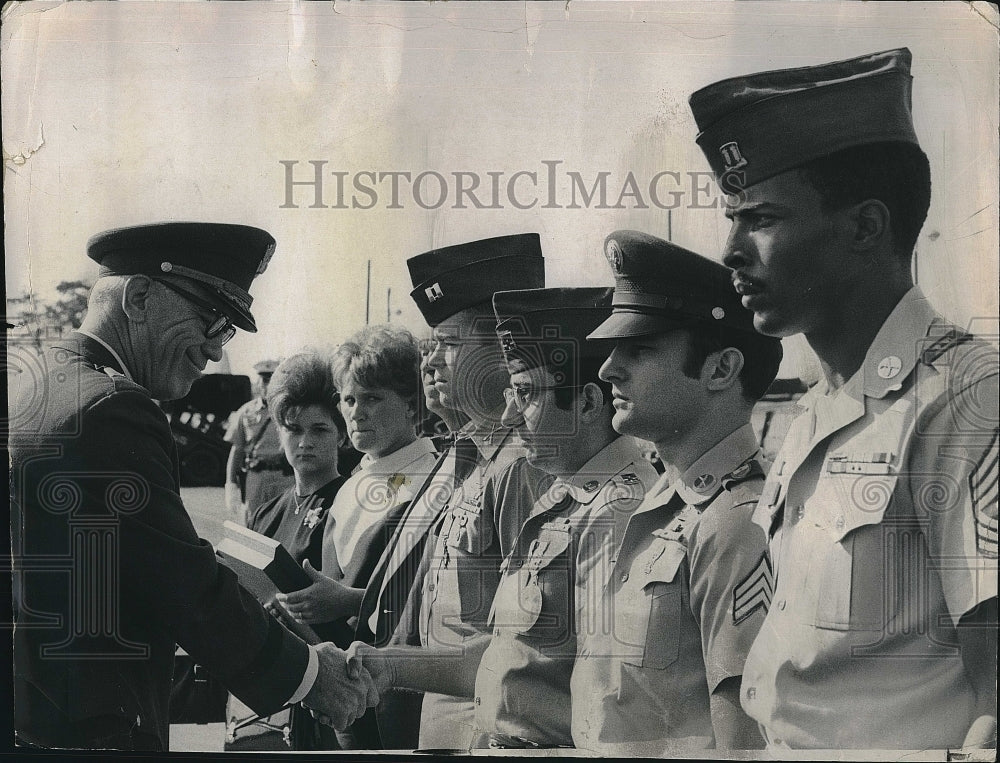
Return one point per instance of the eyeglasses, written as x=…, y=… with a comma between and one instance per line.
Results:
x=221, y=327
x=524, y=395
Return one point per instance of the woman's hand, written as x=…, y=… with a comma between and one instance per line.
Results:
x=324, y=600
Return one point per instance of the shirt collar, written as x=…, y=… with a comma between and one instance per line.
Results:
x=601, y=468
x=398, y=460
x=703, y=478
x=894, y=352
x=488, y=439
x=121, y=363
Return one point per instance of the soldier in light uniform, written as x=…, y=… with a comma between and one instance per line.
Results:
x=257, y=469
x=881, y=507
x=439, y=631
x=563, y=412
x=680, y=588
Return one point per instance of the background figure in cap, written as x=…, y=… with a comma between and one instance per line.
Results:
x=832, y=190
x=94, y=482
x=257, y=469
x=691, y=580
x=428, y=601
x=580, y=479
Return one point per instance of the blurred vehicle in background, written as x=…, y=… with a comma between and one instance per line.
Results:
x=198, y=423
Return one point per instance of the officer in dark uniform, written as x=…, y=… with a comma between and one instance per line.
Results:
x=882, y=503
x=110, y=573
x=257, y=469
x=682, y=587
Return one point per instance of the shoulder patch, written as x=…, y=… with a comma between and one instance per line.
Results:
x=754, y=591
x=983, y=493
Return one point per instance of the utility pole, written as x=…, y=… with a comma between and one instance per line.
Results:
x=368, y=293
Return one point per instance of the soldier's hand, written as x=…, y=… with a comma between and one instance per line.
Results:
x=336, y=699
x=364, y=656
x=324, y=600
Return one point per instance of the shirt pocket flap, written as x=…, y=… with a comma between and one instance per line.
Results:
x=468, y=532
x=858, y=500
x=661, y=565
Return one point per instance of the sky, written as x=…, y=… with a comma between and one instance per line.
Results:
x=124, y=113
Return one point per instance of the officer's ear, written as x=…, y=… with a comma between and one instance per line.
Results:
x=135, y=298
x=870, y=222
x=723, y=369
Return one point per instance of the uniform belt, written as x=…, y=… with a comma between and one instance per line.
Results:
x=506, y=742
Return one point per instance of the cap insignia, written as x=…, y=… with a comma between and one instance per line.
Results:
x=434, y=292
x=267, y=258
x=731, y=156
x=613, y=252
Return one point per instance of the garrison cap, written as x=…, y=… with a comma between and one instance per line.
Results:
x=223, y=259
x=548, y=327
x=759, y=125
x=451, y=279
x=660, y=286
x=265, y=366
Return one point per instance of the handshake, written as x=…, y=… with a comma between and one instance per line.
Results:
x=348, y=684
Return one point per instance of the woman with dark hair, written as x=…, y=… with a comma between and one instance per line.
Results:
x=303, y=400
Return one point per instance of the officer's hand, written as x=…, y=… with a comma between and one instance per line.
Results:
x=335, y=698
x=323, y=601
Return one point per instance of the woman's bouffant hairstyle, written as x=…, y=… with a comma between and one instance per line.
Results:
x=304, y=379
x=384, y=356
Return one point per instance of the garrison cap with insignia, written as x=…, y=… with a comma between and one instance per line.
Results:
x=221, y=259
x=548, y=327
x=660, y=286
x=759, y=125
x=451, y=279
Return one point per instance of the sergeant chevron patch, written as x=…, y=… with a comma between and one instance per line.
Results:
x=983, y=490
x=754, y=591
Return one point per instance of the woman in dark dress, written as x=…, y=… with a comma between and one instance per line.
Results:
x=303, y=400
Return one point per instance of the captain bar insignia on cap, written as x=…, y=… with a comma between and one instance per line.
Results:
x=507, y=343
x=731, y=156
x=434, y=292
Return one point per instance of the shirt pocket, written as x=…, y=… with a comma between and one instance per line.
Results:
x=856, y=591
x=467, y=532
x=538, y=585
x=659, y=608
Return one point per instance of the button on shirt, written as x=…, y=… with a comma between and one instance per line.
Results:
x=523, y=683
x=671, y=607
x=883, y=509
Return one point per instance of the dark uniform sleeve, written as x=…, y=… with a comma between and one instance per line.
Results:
x=730, y=584
x=170, y=574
